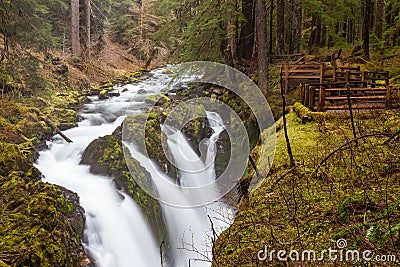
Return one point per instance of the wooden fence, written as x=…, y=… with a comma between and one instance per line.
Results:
x=310, y=73
x=294, y=74
x=322, y=98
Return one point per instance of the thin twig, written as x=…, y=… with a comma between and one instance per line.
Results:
x=348, y=143
x=161, y=254
x=392, y=137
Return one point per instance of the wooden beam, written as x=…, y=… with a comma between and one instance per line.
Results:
x=321, y=106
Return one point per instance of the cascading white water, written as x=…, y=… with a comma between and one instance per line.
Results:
x=117, y=234
x=189, y=228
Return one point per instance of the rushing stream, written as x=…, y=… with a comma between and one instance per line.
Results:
x=117, y=233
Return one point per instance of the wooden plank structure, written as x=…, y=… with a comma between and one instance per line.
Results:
x=372, y=91
x=325, y=87
x=294, y=74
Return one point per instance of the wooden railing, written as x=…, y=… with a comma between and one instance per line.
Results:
x=298, y=73
x=294, y=74
x=321, y=98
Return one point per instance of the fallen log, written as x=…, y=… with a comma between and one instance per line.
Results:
x=57, y=130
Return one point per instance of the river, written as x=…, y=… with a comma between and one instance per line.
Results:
x=116, y=232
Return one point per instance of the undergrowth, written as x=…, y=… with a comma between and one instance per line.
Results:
x=353, y=195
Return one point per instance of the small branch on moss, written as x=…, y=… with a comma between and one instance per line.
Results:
x=348, y=143
x=56, y=130
x=284, y=175
x=392, y=137
x=253, y=164
x=289, y=148
x=351, y=110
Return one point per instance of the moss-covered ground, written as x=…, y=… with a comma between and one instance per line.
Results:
x=353, y=195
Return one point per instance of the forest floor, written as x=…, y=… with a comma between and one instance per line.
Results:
x=353, y=195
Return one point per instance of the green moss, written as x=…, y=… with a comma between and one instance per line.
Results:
x=161, y=99
x=34, y=230
x=350, y=196
x=307, y=115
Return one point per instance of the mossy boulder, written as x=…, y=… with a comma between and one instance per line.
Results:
x=105, y=156
x=153, y=135
x=103, y=94
x=41, y=224
x=159, y=99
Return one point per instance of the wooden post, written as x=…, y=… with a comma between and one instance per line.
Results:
x=334, y=73
x=311, y=98
x=286, y=78
x=347, y=76
x=302, y=93
x=306, y=95
x=373, y=81
x=321, y=78
x=388, y=104
x=387, y=79
x=363, y=78
x=321, y=106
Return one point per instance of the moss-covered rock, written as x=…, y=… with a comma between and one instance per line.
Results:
x=105, y=156
x=41, y=224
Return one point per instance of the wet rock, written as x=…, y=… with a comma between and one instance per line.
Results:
x=141, y=91
x=104, y=94
x=105, y=156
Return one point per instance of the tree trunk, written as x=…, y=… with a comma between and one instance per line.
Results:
x=350, y=31
x=75, y=42
x=317, y=40
x=366, y=27
x=271, y=25
x=380, y=5
x=297, y=26
x=312, y=35
x=86, y=5
x=231, y=29
x=246, y=40
x=280, y=26
x=261, y=41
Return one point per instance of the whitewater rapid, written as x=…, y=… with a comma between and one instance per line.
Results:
x=117, y=234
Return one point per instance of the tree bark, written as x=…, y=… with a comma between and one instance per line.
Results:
x=87, y=8
x=297, y=26
x=280, y=26
x=271, y=25
x=380, y=5
x=261, y=41
x=246, y=40
x=366, y=28
x=75, y=42
x=231, y=28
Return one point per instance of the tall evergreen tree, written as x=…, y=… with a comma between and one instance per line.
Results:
x=366, y=27
x=280, y=26
x=246, y=40
x=75, y=41
x=261, y=43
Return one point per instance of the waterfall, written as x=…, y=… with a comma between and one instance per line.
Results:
x=117, y=234
x=189, y=229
